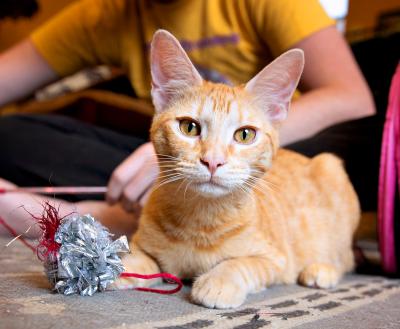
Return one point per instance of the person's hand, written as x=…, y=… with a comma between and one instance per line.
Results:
x=132, y=180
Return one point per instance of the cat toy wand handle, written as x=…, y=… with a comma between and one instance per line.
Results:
x=57, y=190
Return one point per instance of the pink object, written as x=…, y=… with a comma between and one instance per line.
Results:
x=389, y=173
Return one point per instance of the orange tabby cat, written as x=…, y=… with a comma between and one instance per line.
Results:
x=231, y=210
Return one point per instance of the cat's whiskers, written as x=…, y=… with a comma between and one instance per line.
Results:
x=246, y=190
x=167, y=159
x=265, y=179
x=242, y=177
x=165, y=164
x=261, y=183
x=239, y=174
x=162, y=158
x=184, y=193
x=176, y=163
x=255, y=188
x=161, y=164
x=170, y=168
x=262, y=173
x=166, y=168
x=161, y=177
x=271, y=185
x=166, y=156
x=180, y=185
x=171, y=161
x=163, y=171
x=167, y=181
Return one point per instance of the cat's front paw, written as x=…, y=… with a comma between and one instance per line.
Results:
x=218, y=292
x=318, y=275
x=138, y=265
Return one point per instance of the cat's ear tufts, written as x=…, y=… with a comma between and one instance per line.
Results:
x=171, y=70
x=274, y=86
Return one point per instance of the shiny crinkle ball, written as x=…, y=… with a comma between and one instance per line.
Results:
x=87, y=260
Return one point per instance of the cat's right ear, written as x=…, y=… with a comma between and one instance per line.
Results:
x=274, y=86
x=171, y=70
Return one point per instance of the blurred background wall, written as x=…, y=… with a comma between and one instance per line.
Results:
x=365, y=13
x=369, y=16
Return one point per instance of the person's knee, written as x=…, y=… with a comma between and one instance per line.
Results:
x=5, y=184
x=11, y=127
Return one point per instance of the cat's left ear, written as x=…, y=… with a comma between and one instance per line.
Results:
x=274, y=86
x=171, y=70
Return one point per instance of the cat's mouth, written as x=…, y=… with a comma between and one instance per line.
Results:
x=211, y=183
x=211, y=187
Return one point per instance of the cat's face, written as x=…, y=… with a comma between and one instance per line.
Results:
x=214, y=139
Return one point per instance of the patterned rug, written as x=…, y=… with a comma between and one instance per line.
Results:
x=26, y=302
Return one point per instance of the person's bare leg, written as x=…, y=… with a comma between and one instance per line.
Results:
x=114, y=217
x=15, y=209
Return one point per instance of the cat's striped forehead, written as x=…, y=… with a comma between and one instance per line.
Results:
x=218, y=101
x=219, y=98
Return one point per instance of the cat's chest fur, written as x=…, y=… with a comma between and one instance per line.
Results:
x=188, y=251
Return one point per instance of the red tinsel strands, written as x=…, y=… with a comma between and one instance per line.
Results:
x=169, y=278
x=15, y=235
x=48, y=222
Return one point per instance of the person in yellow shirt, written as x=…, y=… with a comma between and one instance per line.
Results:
x=228, y=41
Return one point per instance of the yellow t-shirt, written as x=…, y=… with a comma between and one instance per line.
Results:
x=227, y=40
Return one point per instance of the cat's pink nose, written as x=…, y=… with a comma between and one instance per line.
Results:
x=212, y=163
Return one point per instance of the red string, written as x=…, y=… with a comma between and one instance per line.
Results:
x=169, y=278
x=14, y=234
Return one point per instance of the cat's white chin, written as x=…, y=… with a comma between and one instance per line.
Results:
x=210, y=189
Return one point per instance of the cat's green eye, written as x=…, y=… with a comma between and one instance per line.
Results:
x=189, y=127
x=245, y=135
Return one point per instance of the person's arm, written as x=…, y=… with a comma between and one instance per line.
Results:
x=84, y=34
x=333, y=88
x=22, y=70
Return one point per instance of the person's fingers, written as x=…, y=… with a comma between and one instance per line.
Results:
x=127, y=170
x=122, y=175
x=140, y=183
x=145, y=197
x=127, y=205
